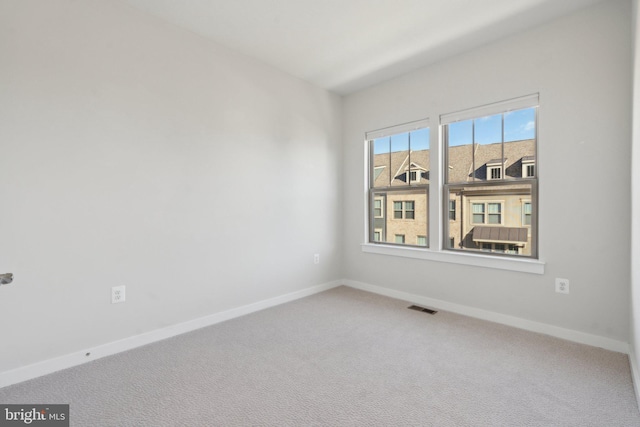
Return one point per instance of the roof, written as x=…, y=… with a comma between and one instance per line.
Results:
x=499, y=234
x=460, y=168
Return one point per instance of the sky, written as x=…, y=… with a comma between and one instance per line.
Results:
x=518, y=125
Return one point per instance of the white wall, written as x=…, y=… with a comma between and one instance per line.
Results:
x=135, y=153
x=635, y=208
x=580, y=65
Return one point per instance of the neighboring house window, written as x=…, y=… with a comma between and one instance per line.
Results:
x=486, y=213
x=501, y=248
x=490, y=155
x=397, y=210
x=404, y=210
x=494, y=211
x=477, y=210
x=528, y=167
x=377, y=235
x=398, y=178
x=526, y=213
x=377, y=208
x=452, y=210
x=494, y=169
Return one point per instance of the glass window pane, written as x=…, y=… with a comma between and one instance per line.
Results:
x=488, y=130
x=381, y=162
x=520, y=125
x=487, y=133
x=400, y=159
x=419, y=161
x=406, y=215
x=485, y=211
x=460, y=151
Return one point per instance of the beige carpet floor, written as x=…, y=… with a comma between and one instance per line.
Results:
x=347, y=358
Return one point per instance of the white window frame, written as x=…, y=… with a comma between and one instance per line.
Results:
x=439, y=210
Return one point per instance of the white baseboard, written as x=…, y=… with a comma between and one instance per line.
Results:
x=77, y=358
x=529, y=325
x=635, y=374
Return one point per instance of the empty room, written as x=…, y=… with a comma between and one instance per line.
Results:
x=340, y=213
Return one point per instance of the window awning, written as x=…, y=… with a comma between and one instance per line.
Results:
x=509, y=235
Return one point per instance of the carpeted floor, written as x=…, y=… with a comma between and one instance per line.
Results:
x=343, y=358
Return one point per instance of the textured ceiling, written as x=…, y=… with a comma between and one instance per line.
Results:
x=347, y=45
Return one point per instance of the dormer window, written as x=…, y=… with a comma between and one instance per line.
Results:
x=495, y=169
x=415, y=173
x=528, y=167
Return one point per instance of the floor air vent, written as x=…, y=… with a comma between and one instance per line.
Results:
x=418, y=308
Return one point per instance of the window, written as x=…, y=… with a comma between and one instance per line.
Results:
x=494, y=169
x=377, y=208
x=500, y=248
x=477, y=210
x=399, y=184
x=490, y=155
x=526, y=213
x=486, y=213
x=528, y=167
x=495, y=213
x=487, y=176
x=404, y=209
x=530, y=171
x=496, y=173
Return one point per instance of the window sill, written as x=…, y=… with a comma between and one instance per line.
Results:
x=478, y=260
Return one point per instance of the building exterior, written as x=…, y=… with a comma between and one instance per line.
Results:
x=489, y=193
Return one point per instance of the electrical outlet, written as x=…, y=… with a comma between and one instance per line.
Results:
x=316, y=259
x=562, y=286
x=117, y=294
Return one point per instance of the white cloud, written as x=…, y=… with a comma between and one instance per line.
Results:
x=530, y=125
